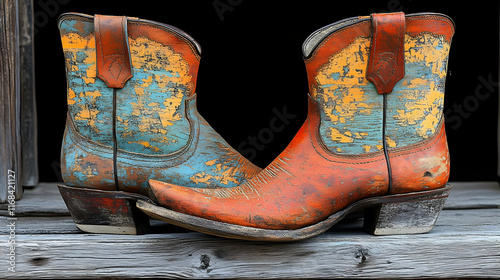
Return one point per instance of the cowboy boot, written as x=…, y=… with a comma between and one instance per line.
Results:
x=132, y=117
x=373, y=139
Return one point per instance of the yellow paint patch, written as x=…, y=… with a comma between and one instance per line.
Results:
x=390, y=143
x=89, y=115
x=147, y=81
x=93, y=94
x=146, y=144
x=201, y=178
x=221, y=174
x=71, y=97
x=123, y=122
x=76, y=41
x=211, y=162
x=360, y=135
x=367, y=148
x=341, y=137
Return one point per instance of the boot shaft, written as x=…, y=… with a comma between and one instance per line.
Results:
x=355, y=118
x=149, y=108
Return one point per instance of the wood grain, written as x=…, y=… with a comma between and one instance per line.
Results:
x=28, y=99
x=474, y=195
x=44, y=200
x=445, y=252
x=9, y=100
x=465, y=243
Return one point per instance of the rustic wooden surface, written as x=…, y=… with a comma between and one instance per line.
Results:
x=28, y=100
x=44, y=200
x=465, y=243
x=9, y=100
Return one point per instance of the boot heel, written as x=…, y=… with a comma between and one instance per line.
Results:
x=406, y=214
x=98, y=211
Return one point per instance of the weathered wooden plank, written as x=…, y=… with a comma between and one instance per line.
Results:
x=10, y=162
x=40, y=225
x=192, y=255
x=470, y=221
x=65, y=225
x=470, y=195
x=464, y=243
x=41, y=201
x=28, y=100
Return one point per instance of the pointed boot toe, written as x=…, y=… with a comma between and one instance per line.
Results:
x=373, y=141
x=159, y=189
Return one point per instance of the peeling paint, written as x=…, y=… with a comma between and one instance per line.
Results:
x=352, y=109
x=151, y=106
x=151, y=121
x=88, y=98
x=415, y=106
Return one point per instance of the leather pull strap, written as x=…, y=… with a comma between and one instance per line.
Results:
x=386, y=65
x=113, y=56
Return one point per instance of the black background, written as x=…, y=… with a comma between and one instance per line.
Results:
x=252, y=66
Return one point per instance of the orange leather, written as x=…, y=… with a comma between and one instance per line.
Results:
x=422, y=166
x=332, y=45
x=386, y=62
x=112, y=50
x=177, y=43
x=309, y=182
x=346, y=36
x=303, y=186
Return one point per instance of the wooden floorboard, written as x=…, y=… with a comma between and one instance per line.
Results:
x=465, y=243
x=473, y=195
x=44, y=200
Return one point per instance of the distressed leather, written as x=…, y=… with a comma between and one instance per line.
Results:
x=386, y=63
x=151, y=118
x=337, y=157
x=112, y=52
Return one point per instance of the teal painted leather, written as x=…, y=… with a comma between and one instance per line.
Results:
x=158, y=130
x=352, y=114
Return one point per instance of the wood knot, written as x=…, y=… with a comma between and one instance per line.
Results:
x=362, y=255
x=204, y=262
x=40, y=261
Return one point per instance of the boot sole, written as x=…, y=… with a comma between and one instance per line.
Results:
x=410, y=213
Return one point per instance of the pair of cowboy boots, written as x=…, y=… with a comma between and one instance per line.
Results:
x=373, y=139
